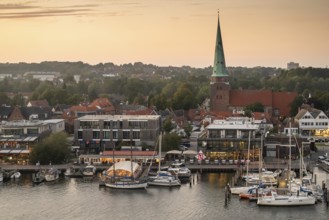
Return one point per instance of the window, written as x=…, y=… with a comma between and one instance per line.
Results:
x=126, y=134
x=80, y=135
x=115, y=135
x=107, y=124
x=32, y=131
x=89, y=124
x=106, y=135
x=96, y=135
x=136, y=135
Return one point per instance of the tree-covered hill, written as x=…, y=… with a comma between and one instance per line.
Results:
x=177, y=87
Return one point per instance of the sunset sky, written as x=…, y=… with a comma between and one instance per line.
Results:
x=165, y=32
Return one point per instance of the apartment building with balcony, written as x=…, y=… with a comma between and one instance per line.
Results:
x=97, y=133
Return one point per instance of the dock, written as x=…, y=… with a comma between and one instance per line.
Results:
x=193, y=167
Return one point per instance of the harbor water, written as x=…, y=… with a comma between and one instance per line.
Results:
x=82, y=198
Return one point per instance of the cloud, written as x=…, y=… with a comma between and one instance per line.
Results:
x=30, y=10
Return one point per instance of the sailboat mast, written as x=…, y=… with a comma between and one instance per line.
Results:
x=160, y=142
x=113, y=161
x=131, y=155
x=289, y=170
x=248, y=159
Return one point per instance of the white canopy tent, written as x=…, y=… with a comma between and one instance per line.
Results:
x=124, y=168
x=190, y=152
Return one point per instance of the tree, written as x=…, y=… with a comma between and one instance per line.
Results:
x=54, y=149
x=188, y=130
x=167, y=125
x=18, y=100
x=255, y=107
x=171, y=141
x=184, y=98
x=4, y=99
x=296, y=103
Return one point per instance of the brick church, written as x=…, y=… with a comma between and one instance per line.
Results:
x=224, y=99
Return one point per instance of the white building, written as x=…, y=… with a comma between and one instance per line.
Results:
x=312, y=122
x=55, y=125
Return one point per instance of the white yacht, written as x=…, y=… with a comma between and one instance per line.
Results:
x=89, y=170
x=285, y=200
x=181, y=171
x=164, y=178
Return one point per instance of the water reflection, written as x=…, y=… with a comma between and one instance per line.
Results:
x=82, y=198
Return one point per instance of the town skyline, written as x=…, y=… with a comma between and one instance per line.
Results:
x=165, y=33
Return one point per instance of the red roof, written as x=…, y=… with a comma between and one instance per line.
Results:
x=248, y=97
x=80, y=108
x=146, y=111
x=102, y=103
x=276, y=100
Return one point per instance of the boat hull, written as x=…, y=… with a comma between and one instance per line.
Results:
x=126, y=185
x=286, y=201
x=164, y=183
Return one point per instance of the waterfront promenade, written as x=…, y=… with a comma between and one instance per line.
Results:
x=269, y=163
x=279, y=164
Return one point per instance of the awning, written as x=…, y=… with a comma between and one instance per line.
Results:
x=5, y=151
x=190, y=152
x=33, y=138
x=174, y=152
x=15, y=151
x=25, y=152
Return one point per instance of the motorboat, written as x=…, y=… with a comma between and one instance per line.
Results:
x=181, y=171
x=254, y=192
x=4, y=175
x=52, y=174
x=89, y=170
x=15, y=175
x=38, y=177
x=164, y=178
x=73, y=172
x=244, y=189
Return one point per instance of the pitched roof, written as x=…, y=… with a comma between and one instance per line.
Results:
x=5, y=111
x=146, y=111
x=102, y=103
x=247, y=97
x=313, y=111
x=42, y=112
x=300, y=114
x=39, y=103
x=16, y=114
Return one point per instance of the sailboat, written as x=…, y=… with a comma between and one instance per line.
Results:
x=128, y=180
x=244, y=189
x=298, y=199
x=163, y=178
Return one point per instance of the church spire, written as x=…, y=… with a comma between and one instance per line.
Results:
x=219, y=69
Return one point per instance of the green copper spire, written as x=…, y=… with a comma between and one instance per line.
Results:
x=219, y=62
